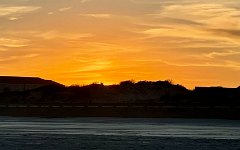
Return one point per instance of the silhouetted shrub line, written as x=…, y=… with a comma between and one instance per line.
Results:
x=126, y=92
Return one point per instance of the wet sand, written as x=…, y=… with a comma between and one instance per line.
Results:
x=103, y=142
x=18, y=133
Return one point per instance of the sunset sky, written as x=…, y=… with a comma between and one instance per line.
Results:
x=191, y=42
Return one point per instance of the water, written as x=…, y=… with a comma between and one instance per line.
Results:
x=118, y=133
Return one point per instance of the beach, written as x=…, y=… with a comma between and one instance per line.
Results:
x=118, y=133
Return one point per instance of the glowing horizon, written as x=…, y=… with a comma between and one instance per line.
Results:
x=193, y=43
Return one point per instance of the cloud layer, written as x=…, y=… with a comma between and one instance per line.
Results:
x=192, y=42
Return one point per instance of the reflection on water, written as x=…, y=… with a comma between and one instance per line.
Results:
x=189, y=128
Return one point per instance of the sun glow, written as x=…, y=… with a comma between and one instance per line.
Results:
x=194, y=43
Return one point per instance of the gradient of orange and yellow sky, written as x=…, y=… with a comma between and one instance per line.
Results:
x=192, y=42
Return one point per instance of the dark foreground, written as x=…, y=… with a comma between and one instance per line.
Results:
x=76, y=142
x=126, y=111
x=18, y=133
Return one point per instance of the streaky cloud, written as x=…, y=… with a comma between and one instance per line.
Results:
x=13, y=10
x=64, y=9
x=97, y=15
x=9, y=42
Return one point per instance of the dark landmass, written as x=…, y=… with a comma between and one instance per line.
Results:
x=44, y=98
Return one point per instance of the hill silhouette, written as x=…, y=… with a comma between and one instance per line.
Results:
x=15, y=83
x=126, y=99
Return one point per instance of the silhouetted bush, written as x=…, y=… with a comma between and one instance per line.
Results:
x=142, y=92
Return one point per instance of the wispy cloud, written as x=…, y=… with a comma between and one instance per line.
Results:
x=64, y=9
x=154, y=2
x=177, y=32
x=15, y=57
x=97, y=15
x=50, y=13
x=214, y=22
x=94, y=66
x=9, y=42
x=201, y=63
x=211, y=14
x=84, y=1
x=13, y=18
x=53, y=34
x=227, y=32
x=222, y=54
x=12, y=10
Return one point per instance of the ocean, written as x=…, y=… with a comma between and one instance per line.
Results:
x=17, y=133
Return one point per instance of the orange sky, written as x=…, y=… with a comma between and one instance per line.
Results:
x=194, y=43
